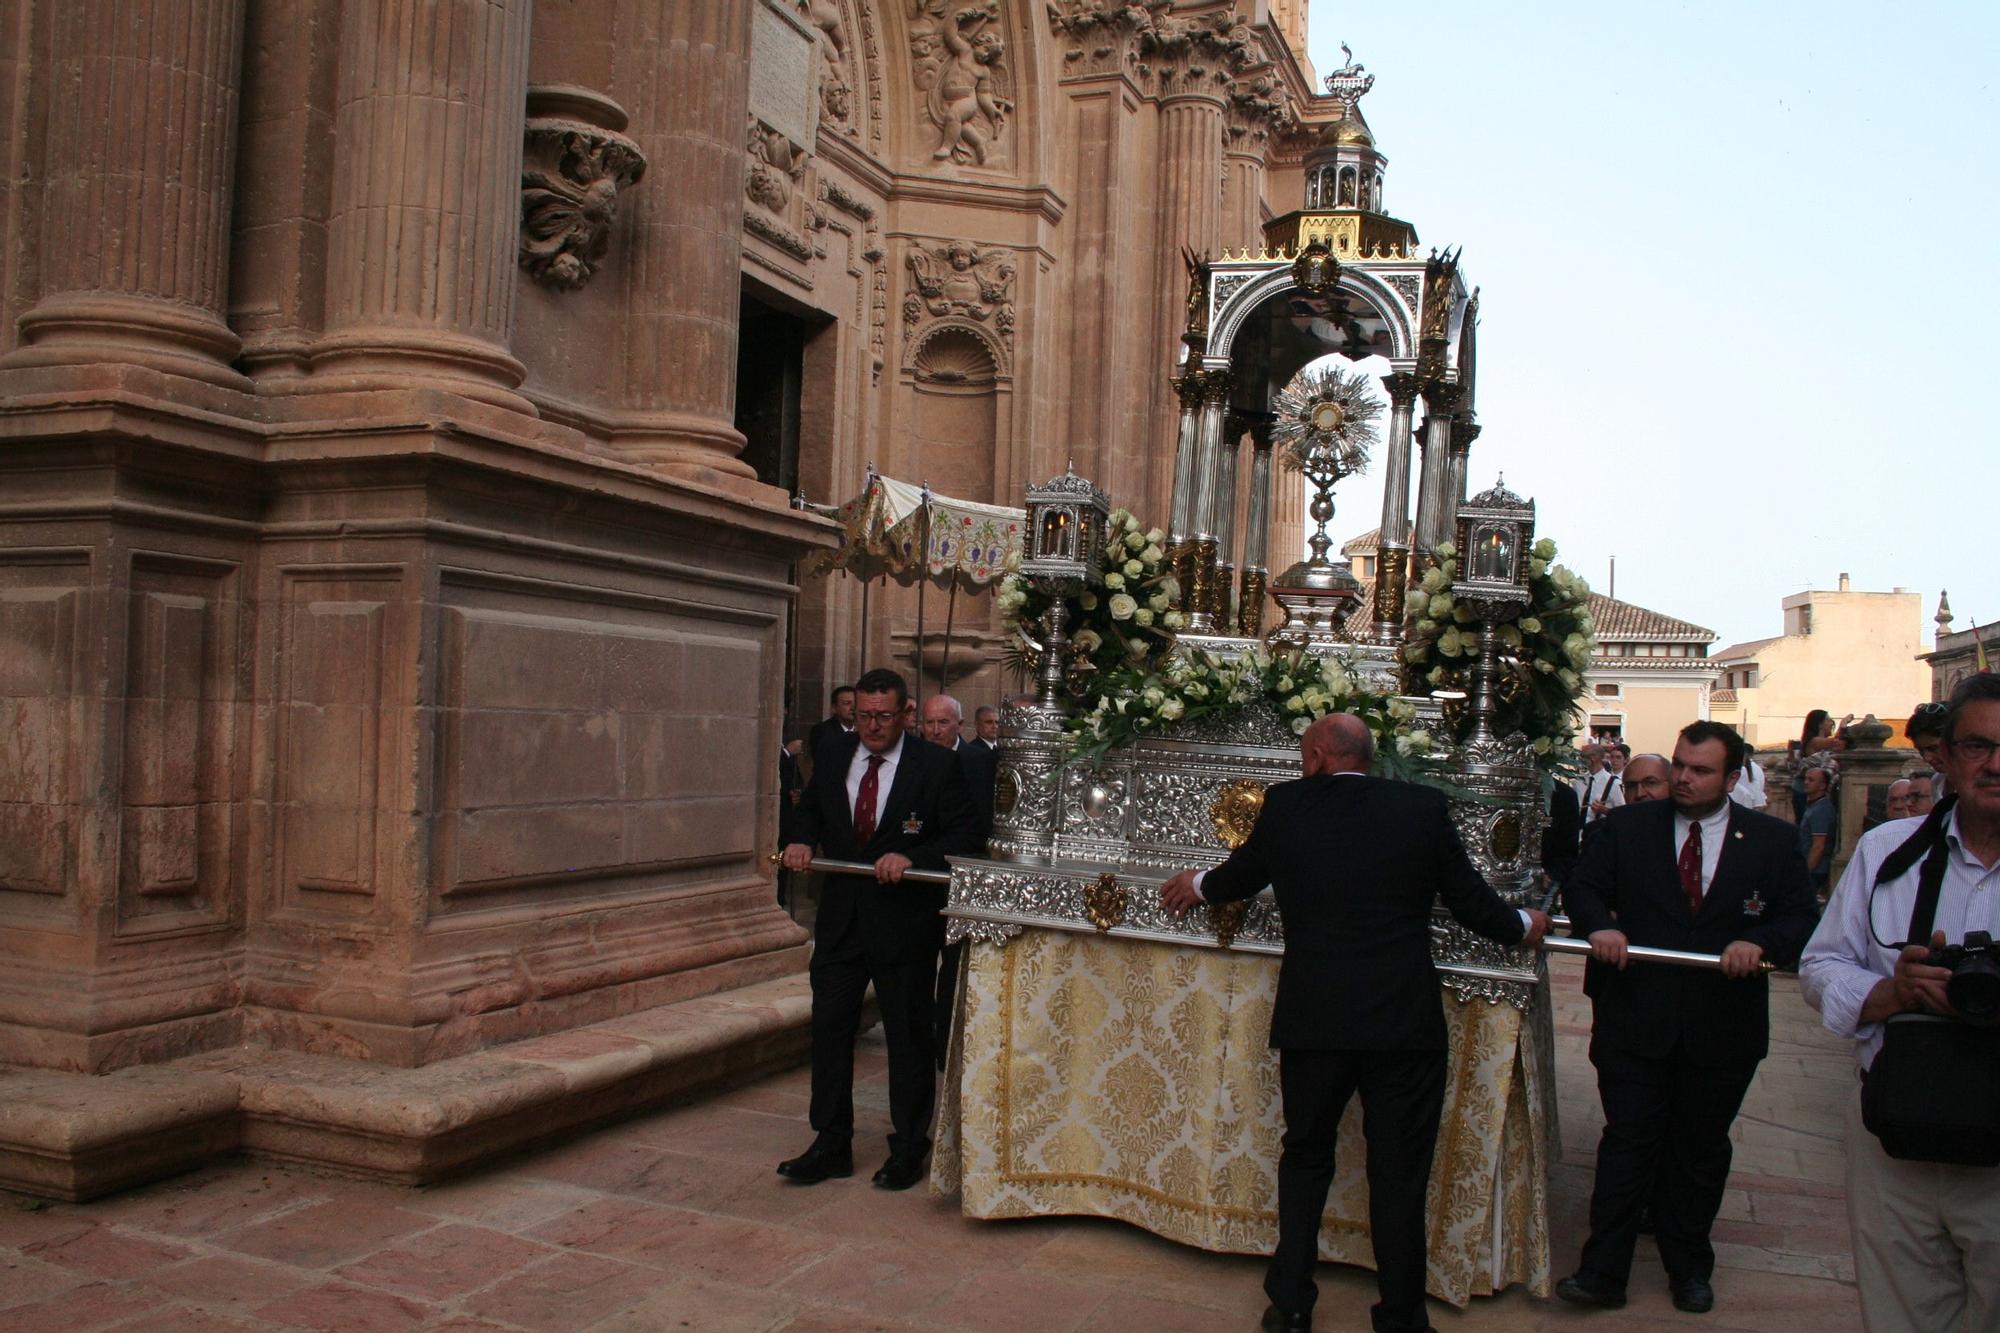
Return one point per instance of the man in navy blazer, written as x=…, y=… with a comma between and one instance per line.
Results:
x=1676, y=1047
x=894, y=801
x=1356, y=863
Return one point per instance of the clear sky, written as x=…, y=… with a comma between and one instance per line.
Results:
x=1729, y=253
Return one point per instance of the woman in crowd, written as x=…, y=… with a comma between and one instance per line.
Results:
x=1815, y=748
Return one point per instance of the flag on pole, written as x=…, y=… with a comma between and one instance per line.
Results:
x=1978, y=648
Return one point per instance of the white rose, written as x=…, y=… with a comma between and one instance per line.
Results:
x=1159, y=601
x=1133, y=569
x=1461, y=614
x=1436, y=677
x=1088, y=641
x=1118, y=517
x=1284, y=684
x=1414, y=601
x=1088, y=601
x=1446, y=550
x=1154, y=537
x=1543, y=665
x=1530, y=625
x=1171, y=587
x=1142, y=617
x=1299, y=725
x=1448, y=642
x=1569, y=678
x=1135, y=540
x=1541, y=745
x=1136, y=647
x=1173, y=620
x=1537, y=567
x=1153, y=695
x=1122, y=606
x=1197, y=690
x=1013, y=560
x=1545, y=549
x=1440, y=605
x=1172, y=709
x=1114, y=580
x=1295, y=704
x=1433, y=580
x=1152, y=555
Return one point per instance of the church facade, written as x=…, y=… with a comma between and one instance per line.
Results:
x=402, y=406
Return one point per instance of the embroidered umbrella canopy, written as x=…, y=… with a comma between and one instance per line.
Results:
x=896, y=530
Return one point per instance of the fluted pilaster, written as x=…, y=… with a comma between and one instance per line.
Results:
x=422, y=235
x=140, y=150
x=1436, y=501
x=684, y=73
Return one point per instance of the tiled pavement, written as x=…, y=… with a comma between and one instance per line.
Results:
x=676, y=1221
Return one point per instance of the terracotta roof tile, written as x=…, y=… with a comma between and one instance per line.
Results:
x=1623, y=621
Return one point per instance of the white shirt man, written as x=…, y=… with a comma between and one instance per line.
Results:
x=1598, y=791
x=1926, y=1234
x=1749, y=789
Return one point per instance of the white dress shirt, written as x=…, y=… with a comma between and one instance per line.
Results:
x=1854, y=947
x=1714, y=828
x=857, y=768
x=1602, y=785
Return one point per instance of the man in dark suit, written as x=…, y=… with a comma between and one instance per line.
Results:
x=944, y=720
x=1560, y=835
x=1356, y=862
x=894, y=801
x=1675, y=1047
x=985, y=727
x=838, y=723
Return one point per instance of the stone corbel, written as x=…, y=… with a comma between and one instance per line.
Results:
x=574, y=161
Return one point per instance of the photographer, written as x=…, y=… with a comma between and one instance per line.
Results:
x=1923, y=1139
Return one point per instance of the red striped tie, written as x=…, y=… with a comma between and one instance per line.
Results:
x=864, y=803
x=1691, y=868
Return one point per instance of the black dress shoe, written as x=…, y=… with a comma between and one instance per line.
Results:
x=901, y=1171
x=1692, y=1294
x=1580, y=1290
x=827, y=1159
x=1280, y=1321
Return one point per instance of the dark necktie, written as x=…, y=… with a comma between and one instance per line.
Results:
x=1691, y=868
x=864, y=802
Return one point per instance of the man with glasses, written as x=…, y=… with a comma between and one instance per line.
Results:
x=894, y=801
x=1926, y=1233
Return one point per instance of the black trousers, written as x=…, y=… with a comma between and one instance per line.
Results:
x=905, y=990
x=1665, y=1142
x=1402, y=1096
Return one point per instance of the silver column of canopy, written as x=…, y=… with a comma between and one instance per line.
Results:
x=1434, y=494
x=1392, y=542
x=1257, y=535
x=1225, y=522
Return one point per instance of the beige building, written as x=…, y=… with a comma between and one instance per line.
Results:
x=1956, y=654
x=1841, y=650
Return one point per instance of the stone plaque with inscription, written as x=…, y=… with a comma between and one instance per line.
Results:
x=784, y=72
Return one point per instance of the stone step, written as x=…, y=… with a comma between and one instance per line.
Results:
x=78, y=1136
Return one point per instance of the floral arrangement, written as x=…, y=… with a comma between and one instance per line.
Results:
x=1543, y=655
x=1128, y=617
x=1194, y=684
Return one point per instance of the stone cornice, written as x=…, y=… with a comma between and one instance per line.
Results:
x=1040, y=200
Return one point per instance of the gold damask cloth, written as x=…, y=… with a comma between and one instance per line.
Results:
x=1128, y=1079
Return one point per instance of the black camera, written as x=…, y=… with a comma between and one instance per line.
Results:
x=1974, y=988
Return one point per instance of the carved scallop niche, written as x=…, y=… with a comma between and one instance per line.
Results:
x=574, y=161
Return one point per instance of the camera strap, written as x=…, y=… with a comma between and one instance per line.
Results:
x=1929, y=843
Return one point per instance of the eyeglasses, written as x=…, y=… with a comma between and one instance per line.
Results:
x=1937, y=708
x=1976, y=748
x=877, y=717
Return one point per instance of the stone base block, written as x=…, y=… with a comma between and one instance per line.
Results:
x=75, y=1137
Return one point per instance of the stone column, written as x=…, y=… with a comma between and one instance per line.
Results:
x=1434, y=493
x=140, y=154
x=1392, y=545
x=688, y=93
x=1189, y=208
x=423, y=234
x=1867, y=769
x=1257, y=538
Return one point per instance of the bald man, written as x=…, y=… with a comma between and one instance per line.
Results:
x=1356, y=862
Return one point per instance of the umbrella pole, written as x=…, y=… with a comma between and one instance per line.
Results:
x=923, y=577
x=950, y=609
x=865, y=585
